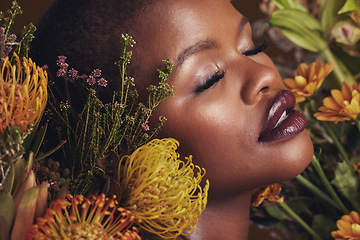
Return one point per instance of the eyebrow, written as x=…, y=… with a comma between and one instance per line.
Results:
x=193, y=49
x=202, y=45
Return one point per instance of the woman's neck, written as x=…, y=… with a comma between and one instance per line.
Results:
x=224, y=219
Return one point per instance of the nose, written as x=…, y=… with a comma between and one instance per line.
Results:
x=259, y=79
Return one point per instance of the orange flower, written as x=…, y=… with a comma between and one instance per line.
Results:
x=96, y=217
x=269, y=192
x=343, y=105
x=23, y=93
x=349, y=227
x=308, y=79
x=357, y=168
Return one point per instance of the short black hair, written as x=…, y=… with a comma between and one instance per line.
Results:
x=88, y=33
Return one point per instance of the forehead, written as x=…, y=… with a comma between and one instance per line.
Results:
x=169, y=27
x=183, y=22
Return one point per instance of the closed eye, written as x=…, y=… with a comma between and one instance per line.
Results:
x=256, y=50
x=214, y=78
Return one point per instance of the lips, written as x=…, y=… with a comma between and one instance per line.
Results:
x=282, y=120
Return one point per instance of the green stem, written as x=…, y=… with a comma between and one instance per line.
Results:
x=313, y=106
x=322, y=4
x=358, y=124
x=340, y=71
x=296, y=217
x=337, y=144
x=328, y=186
x=306, y=183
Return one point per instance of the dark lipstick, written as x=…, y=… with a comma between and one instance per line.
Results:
x=282, y=119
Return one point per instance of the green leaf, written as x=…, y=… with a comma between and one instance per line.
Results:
x=346, y=182
x=41, y=202
x=9, y=181
x=293, y=4
x=6, y=214
x=24, y=185
x=30, y=162
x=330, y=16
x=48, y=153
x=349, y=6
x=30, y=137
x=351, y=62
x=25, y=213
x=19, y=170
x=275, y=211
x=301, y=28
x=323, y=226
x=39, y=139
x=300, y=204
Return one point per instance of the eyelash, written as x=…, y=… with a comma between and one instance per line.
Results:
x=214, y=78
x=218, y=75
x=257, y=50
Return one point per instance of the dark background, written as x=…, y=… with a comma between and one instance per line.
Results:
x=33, y=9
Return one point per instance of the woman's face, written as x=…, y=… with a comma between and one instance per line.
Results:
x=223, y=94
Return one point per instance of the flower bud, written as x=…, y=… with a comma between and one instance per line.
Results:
x=346, y=32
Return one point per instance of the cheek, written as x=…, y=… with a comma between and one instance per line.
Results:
x=222, y=137
x=200, y=126
x=218, y=139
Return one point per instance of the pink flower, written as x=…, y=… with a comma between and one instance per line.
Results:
x=73, y=73
x=61, y=72
x=145, y=127
x=61, y=59
x=91, y=80
x=96, y=73
x=102, y=82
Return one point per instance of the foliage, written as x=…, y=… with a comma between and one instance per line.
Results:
x=8, y=41
x=99, y=129
x=92, y=135
x=329, y=188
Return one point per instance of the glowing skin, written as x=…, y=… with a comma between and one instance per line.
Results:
x=220, y=125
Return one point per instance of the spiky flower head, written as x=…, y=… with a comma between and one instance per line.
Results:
x=96, y=217
x=342, y=105
x=163, y=192
x=23, y=93
x=308, y=79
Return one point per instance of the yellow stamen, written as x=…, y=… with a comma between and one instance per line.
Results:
x=23, y=93
x=163, y=192
x=300, y=81
x=355, y=228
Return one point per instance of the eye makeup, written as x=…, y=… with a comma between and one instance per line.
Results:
x=257, y=50
x=219, y=74
x=214, y=78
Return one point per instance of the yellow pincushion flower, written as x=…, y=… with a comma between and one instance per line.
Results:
x=23, y=93
x=95, y=217
x=348, y=227
x=163, y=192
x=343, y=105
x=308, y=79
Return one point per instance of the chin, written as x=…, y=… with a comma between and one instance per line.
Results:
x=296, y=157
